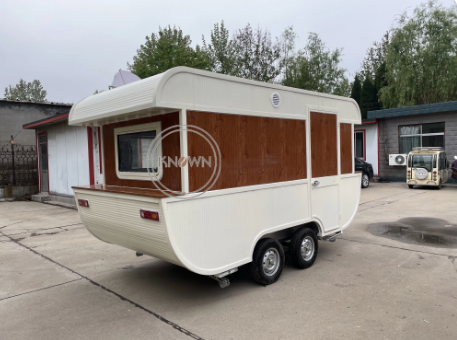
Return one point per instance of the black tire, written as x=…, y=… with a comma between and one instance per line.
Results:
x=439, y=185
x=298, y=244
x=365, y=180
x=266, y=249
x=410, y=186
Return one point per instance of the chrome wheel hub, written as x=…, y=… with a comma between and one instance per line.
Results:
x=270, y=263
x=307, y=248
x=365, y=180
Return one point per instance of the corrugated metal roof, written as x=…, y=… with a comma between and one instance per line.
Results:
x=413, y=110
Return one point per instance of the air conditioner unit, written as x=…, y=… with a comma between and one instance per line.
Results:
x=397, y=159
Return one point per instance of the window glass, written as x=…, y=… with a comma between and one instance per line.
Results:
x=408, y=143
x=422, y=161
x=434, y=161
x=432, y=128
x=359, y=147
x=44, y=156
x=133, y=151
x=42, y=139
x=436, y=141
x=410, y=130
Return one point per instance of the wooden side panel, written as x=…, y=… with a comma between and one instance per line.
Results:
x=346, y=148
x=324, y=156
x=170, y=147
x=254, y=150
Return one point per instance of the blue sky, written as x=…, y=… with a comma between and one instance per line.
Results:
x=76, y=47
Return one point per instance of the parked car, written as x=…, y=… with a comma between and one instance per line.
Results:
x=427, y=166
x=367, y=171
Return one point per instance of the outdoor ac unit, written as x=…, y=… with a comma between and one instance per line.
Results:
x=397, y=159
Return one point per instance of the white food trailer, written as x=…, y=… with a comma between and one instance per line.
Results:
x=276, y=171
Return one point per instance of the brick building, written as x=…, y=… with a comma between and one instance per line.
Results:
x=401, y=129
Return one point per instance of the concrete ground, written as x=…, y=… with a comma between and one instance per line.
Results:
x=59, y=282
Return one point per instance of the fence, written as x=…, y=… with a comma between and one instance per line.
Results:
x=18, y=164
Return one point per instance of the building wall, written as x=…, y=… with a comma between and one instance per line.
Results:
x=13, y=115
x=389, y=140
x=371, y=144
x=68, y=157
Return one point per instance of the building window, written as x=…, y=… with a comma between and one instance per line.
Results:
x=132, y=148
x=359, y=144
x=425, y=135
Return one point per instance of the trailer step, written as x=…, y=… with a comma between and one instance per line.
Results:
x=330, y=238
x=223, y=281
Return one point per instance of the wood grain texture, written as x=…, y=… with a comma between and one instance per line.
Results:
x=324, y=155
x=170, y=147
x=346, y=148
x=254, y=150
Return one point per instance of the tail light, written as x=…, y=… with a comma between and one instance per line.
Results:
x=149, y=215
x=83, y=203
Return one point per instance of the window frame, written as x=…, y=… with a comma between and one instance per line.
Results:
x=420, y=135
x=363, y=131
x=142, y=176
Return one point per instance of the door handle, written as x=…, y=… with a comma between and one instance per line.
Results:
x=315, y=183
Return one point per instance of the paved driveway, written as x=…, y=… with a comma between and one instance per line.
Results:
x=59, y=282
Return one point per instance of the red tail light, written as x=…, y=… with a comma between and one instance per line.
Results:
x=83, y=203
x=149, y=215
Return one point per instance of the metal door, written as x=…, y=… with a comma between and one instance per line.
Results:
x=43, y=147
x=324, y=169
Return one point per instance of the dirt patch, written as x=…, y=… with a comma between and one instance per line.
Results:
x=425, y=231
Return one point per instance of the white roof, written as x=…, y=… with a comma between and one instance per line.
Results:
x=187, y=88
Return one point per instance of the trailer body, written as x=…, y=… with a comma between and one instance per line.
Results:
x=287, y=161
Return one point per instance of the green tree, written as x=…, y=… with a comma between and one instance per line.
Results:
x=380, y=77
x=421, y=58
x=221, y=52
x=374, y=58
x=167, y=49
x=26, y=91
x=257, y=57
x=317, y=68
x=368, y=99
x=356, y=89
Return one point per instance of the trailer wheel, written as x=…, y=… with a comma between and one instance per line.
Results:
x=267, y=261
x=303, y=248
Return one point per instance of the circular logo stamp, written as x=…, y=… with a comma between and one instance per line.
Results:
x=162, y=162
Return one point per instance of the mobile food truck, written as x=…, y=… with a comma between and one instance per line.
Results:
x=276, y=171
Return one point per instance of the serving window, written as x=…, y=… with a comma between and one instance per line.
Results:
x=134, y=155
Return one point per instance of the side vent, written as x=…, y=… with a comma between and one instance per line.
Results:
x=275, y=99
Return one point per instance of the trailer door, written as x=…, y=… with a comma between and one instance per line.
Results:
x=324, y=169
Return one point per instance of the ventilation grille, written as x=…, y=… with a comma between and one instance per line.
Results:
x=275, y=99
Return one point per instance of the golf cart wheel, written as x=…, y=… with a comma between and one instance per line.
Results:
x=410, y=186
x=267, y=262
x=303, y=248
x=365, y=180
